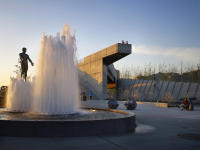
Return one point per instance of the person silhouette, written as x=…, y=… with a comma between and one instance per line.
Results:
x=24, y=58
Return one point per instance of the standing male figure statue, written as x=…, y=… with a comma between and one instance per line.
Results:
x=24, y=63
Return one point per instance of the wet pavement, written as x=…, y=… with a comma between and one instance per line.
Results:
x=157, y=128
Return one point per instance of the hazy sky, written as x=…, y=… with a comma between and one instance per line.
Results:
x=161, y=31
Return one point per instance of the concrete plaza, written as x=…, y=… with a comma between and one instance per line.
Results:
x=157, y=128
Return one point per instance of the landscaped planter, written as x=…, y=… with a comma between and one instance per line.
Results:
x=113, y=104
x=131, y=104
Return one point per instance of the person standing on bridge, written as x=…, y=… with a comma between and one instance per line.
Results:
x=24, y=58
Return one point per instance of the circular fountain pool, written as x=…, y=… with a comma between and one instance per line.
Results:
x=55, y=90
x=91, y=122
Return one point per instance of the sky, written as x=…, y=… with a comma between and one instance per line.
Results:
x=160, y=31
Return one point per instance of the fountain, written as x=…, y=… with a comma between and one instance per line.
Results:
x=49, y=103
x=55, y=87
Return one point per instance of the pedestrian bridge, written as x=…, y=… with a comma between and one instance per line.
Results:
x=100, y=69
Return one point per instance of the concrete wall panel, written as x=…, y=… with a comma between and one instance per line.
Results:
x=170, y=88
x=160, y=86
x=183, y=91
x=87, y=59
x=150, y=94
x=142, y=88
x=167, y=90
x=163, y=90
x=192, y=90
x=198, y=93
x=146, y=90
x=177, y=89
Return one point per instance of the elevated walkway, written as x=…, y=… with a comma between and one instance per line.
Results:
x=99, y=66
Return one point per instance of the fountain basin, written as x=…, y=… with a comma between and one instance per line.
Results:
x=93, y=122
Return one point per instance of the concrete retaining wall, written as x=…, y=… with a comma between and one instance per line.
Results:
x=168, y=91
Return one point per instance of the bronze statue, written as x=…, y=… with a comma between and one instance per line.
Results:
x=24, y=63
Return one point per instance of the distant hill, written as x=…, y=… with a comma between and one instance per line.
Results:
x=192, y=76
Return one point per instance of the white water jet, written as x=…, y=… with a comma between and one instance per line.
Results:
x=55, y=89
x=56, y=86
x=19, y=95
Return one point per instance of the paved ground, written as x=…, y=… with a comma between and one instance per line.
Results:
x=158, y=128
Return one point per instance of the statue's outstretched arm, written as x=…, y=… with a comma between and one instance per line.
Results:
x=30, y=61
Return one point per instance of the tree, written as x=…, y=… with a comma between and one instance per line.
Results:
x=18, y=69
